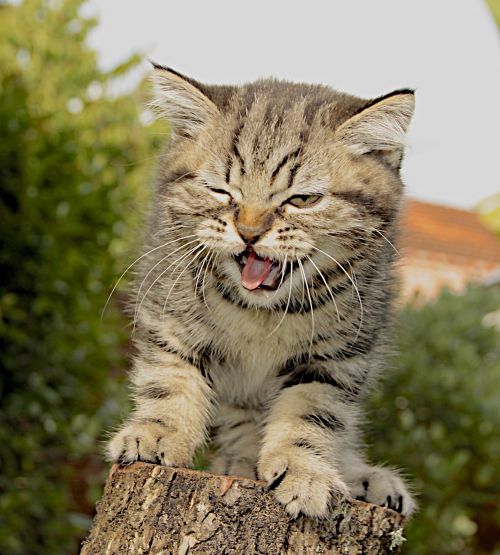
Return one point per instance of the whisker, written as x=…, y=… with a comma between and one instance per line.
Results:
x=385, y=239
x=288, y=301
x=283, y=271
x=131, y=266
x=353, y=284
x=136, y=315
x=199, y=272
x=213, y=260
x=353, y=275
x=138, y=294
x=302, y=271
x=203, y=281
x=303, y=295
x=327, y=286
x=169, y=230
x=195, y=256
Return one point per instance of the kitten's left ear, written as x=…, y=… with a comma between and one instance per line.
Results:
x=380, y=127
x=181, y=100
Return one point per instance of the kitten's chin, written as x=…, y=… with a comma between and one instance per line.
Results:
x=262, y=297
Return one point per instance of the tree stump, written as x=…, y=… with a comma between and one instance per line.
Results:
x=150, y=509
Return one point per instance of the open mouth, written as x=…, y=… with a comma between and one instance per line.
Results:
x=258, y=272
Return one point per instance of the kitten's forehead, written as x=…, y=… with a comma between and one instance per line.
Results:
x=272, y=122
x=269, y=100
x=265, y=132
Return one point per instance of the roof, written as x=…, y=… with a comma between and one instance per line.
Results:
x=449, y=231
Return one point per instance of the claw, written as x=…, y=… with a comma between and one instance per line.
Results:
x=277, y=481
x=399, y=506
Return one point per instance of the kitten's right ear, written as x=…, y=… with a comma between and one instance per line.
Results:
x=181, y=101
x=380, y=127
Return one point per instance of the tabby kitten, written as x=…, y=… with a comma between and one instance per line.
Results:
x=263, y=300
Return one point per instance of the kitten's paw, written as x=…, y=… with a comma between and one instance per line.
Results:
x=148, y=441
x=382, y=486
x=302, y=482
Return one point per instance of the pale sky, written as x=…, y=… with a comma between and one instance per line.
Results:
x=448, y=50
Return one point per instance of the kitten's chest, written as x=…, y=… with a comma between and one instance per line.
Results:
x=246, y=378
x=248, y=374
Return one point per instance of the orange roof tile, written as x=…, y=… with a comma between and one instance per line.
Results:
x=449, y=231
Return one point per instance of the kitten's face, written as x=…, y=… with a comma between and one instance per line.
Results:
x=283, y=182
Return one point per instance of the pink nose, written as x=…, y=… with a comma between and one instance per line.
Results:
x=249, y=234
x=252, y=222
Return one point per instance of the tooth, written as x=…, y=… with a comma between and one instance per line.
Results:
x=273, y=275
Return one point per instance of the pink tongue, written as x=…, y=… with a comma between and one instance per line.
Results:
x=255, y=271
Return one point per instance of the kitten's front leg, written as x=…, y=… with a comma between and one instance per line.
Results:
x=306, y=428
x=172, y=408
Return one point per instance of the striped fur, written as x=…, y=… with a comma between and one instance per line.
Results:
x=278, y=376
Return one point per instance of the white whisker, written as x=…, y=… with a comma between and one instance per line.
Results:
x=288, y=301
x=353, y=275
x=138, y=294
x=199, y=272
x=303, y=300
x=195, y=256
x=213, y=257
x=136, y=315
x=212, y=262
x=352, y=282
x=327, y=286
x=386, y=239
x=169, y=230
x=131, y=266
x=302, y=271
x=283, y=271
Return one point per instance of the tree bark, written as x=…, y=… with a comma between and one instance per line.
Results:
x=150, y=509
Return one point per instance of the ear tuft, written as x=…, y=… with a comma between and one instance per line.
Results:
x=380, y=126
x=180, y=101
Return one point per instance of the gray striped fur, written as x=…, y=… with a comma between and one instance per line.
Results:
x=280, y=376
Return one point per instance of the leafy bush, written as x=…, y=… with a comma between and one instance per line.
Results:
x=70, y=181
x=437, y=416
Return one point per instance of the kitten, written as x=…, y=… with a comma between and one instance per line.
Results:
x=263, y=302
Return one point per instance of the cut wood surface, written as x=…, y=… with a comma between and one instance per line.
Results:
x=150, y=509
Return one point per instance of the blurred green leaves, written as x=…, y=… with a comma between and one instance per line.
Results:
x=75, y=162
x=72, y=184
x=437, y=416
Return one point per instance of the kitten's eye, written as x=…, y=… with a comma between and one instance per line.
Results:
x=301, y=201
x=220, y=192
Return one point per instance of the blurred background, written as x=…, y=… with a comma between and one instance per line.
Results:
x=77, y=156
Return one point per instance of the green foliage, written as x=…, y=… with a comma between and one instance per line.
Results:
x=437, y=416
x=71, y=187
x=70, y=181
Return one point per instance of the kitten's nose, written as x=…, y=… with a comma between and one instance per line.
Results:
x=252, y=223
x=249, y=234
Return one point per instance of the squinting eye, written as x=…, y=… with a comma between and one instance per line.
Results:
x=301, y=201
x=220, y=192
